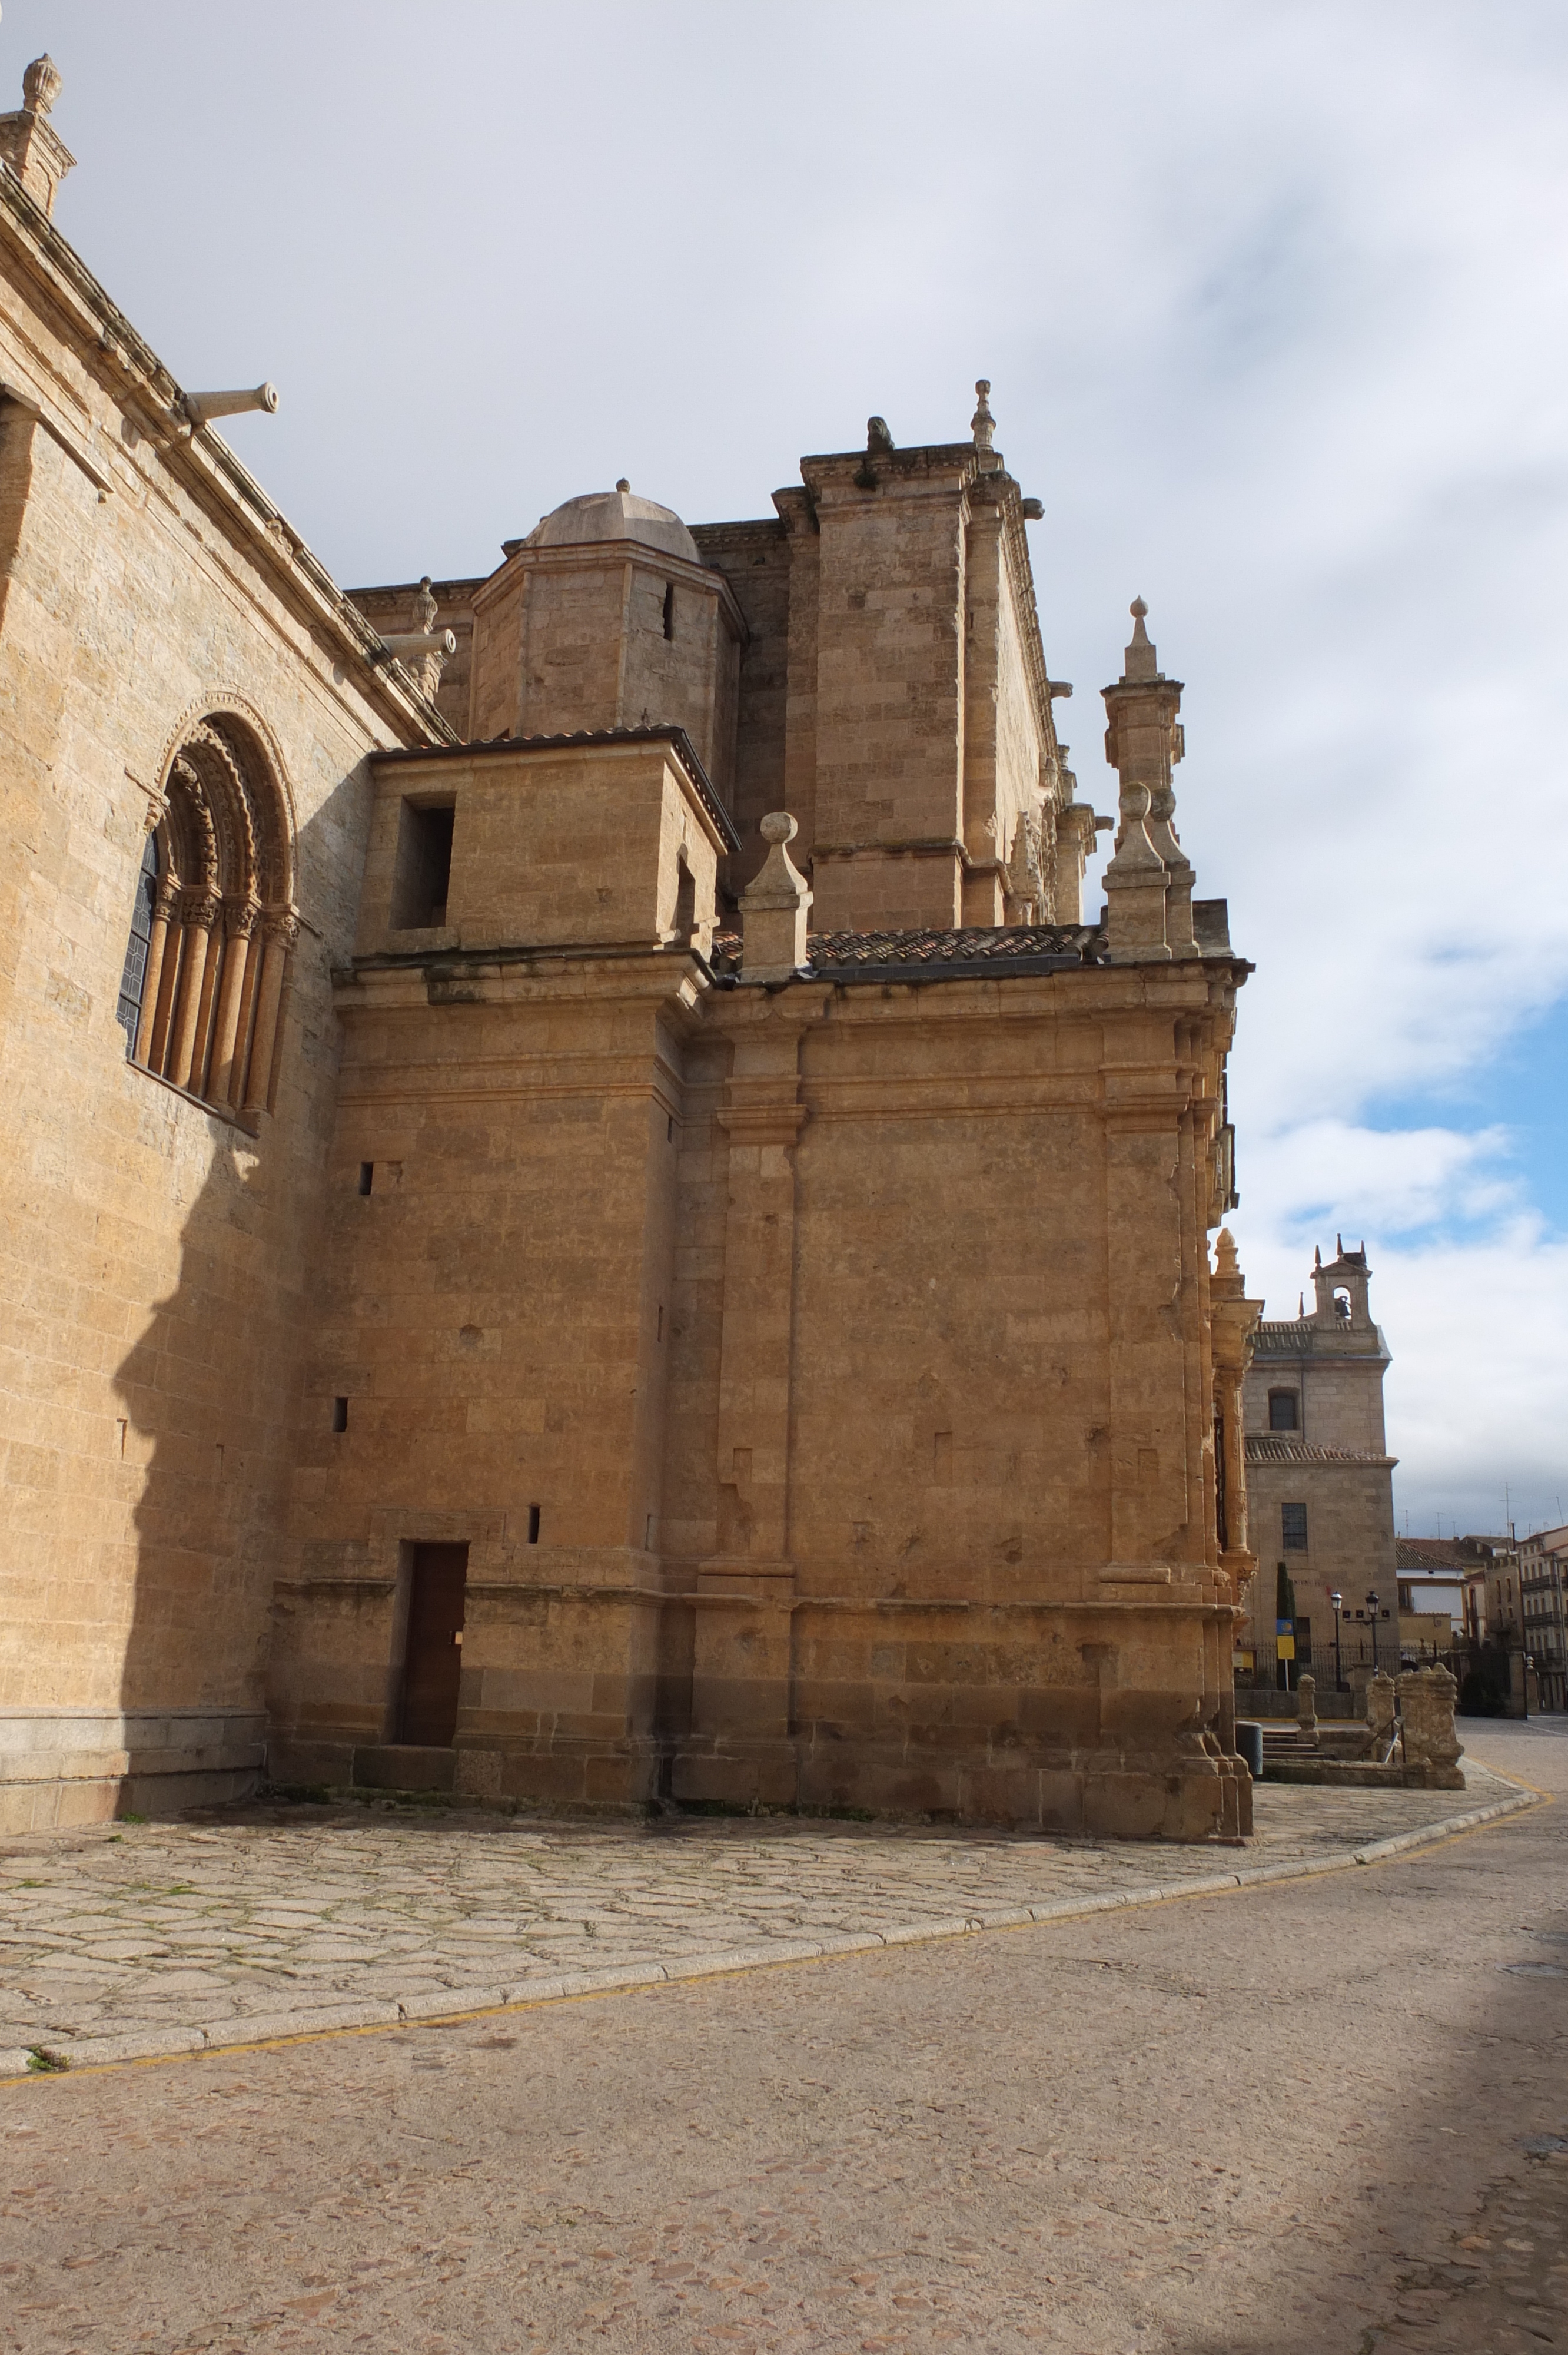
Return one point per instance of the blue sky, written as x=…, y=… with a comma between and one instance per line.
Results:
x=1272, y=301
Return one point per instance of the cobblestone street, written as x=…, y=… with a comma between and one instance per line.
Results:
x=1321, y=2116
x=139, y=1939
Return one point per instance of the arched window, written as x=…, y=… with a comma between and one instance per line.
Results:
x=213, y=922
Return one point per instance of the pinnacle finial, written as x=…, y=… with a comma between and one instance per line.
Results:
x=1226, y=1262
x=622, y=484
x=1140, y=658
x=41, y=84
x=982, y=424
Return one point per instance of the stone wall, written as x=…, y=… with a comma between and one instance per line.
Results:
x=817, y=1376
x=157, y=1253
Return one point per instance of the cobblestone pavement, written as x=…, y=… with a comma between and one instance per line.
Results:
x=1321, y=2117
x=124, y=1942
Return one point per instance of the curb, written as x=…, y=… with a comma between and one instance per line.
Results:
x=467, y=2003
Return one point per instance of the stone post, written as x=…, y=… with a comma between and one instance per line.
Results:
x=1431, y=1748
x=1380, y=1711
x=743, y=1642
x=773, y=909
x=1307, y=1709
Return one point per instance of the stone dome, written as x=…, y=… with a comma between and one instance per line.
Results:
x=614, y=515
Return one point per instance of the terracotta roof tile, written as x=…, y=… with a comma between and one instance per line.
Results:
x=1276, y=1447
x=967, y=952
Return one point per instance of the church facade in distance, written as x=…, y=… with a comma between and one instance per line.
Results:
x=588, y=1220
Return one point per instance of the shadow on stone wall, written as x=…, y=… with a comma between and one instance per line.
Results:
x=211, y=1388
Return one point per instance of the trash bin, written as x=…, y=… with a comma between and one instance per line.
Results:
x=1249, y=1745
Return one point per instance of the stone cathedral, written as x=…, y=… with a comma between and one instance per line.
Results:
x=588, y=1219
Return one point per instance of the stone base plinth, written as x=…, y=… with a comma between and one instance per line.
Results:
x=64, y=1768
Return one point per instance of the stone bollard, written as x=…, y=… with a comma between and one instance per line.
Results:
x=1432, y=1749
x=1380, y=1714
x=1307, y=1710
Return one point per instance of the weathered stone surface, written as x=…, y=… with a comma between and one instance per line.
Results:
x=289, y=1920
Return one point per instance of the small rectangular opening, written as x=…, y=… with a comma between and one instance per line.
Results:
x=660, y=1336
x=422, y=878
x=670, y=609
x=670, y=1130
x=532, y=1524
x=340, y=1415
x=432, y=1658
x=648, y=1534
x=366, y=1176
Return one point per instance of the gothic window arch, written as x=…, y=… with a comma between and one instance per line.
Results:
x=201, y=1000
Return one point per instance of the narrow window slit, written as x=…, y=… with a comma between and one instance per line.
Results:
x=366, y=1176
x=670, y=609
x=532, y=1524
x=340, y=1415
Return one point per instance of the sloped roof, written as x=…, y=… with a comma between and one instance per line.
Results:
x=965, y=953
x=1278, y=1447
x=1452, y=1554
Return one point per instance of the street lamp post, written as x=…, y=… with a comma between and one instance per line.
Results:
x=1371, y=1614
x=1338, y=1601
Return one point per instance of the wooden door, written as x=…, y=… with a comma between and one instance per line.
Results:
x=433, y=1663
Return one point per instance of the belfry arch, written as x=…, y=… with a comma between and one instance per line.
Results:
x=223, y=922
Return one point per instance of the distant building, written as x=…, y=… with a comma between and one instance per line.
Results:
x=1542, y=1568
x=1320, y=1487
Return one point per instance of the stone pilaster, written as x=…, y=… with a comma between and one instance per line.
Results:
x=742, y=1647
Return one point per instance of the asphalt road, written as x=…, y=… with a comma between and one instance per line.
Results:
x=1274, y=2122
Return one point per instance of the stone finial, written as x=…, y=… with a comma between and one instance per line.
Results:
x=1139, y=661
x=1143, y=742
x=425, y=607
x=982, y=424
x=1226, y=1260
x=773, y=908
x=621, y=485
x=30, y=143
x=41, y=84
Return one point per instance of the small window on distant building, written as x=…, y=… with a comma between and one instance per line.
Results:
x=1293, y=1528
x=1406, y=1597
x=1283, y=1411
